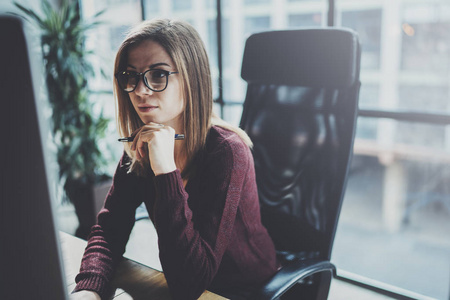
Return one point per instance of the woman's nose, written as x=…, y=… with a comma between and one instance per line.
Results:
x=142, y=89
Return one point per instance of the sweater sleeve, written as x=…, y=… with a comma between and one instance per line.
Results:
x=192, y=244
x=108, y=238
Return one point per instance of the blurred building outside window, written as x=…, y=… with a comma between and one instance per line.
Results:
x=397, y=195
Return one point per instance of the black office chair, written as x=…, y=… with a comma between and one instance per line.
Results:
x=300, y=112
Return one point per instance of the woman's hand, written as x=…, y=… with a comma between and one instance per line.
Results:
x=160, y=142
x=84, y=295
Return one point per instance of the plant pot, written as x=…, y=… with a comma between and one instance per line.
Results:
x=87, y=199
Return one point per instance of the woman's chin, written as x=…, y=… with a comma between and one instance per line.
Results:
x=148, y=120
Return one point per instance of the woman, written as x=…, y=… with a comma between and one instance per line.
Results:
x=200, y=192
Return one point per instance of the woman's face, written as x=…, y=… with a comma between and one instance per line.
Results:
x=164, y=107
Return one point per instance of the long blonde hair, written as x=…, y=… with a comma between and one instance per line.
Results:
x=186, y=49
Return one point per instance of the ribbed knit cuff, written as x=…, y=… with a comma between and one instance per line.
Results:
x=93, y=283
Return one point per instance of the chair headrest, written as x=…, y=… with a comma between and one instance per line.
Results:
x=316, y=57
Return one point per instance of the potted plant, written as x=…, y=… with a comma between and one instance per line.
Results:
x=76, y=129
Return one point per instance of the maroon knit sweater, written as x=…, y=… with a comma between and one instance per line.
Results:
x=210, y=234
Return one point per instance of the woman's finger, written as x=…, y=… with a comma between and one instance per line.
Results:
x=141, y=151
x=135, y=134
x=136, y=131
x=142, y=139
x=142, y=136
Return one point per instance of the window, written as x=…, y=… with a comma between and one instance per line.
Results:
x=368, y=25
x=179, y=5
x=304, y=0
x=396, y=211
x=152, y=7
x=242, y=18
x=256, y=24
x=249, y=2
x=397, y=203
x=305, y=20
x=425, y=32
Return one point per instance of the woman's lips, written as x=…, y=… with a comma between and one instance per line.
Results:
x=146, y=109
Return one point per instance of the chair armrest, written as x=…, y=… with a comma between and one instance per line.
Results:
x=290, y=274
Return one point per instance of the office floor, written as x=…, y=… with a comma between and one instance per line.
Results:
x=67, y=222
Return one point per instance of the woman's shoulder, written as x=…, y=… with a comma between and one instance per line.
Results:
x=226, y=144
x=220, y=137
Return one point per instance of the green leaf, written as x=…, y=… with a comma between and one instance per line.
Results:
x=29, y=13
x=76, y=128
x=46, y=8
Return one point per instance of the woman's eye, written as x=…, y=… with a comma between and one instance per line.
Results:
x=158, y=74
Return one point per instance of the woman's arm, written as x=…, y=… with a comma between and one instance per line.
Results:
x=192, y=247
x=109, y=236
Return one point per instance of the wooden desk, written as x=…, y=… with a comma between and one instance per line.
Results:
x=132, y=280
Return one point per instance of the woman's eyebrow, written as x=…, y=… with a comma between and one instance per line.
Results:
x=159, y=64
x=151, y=66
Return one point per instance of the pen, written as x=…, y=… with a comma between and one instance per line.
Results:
x=131, y=138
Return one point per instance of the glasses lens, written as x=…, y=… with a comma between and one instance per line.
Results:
x=156, y=79
x=127, y=81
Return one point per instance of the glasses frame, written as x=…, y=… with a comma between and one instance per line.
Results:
x=142, y=76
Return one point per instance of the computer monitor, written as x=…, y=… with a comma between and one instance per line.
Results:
x=30, y=257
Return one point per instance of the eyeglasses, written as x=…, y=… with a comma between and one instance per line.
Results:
x=154, y=79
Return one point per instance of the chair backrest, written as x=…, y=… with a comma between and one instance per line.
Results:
x=300, y=112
